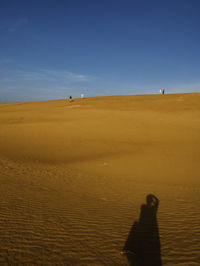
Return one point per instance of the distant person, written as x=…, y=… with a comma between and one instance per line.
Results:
x=162, y=91
x=70, y=98
x=82, y=95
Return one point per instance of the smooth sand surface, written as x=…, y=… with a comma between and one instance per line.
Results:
x=74, y=175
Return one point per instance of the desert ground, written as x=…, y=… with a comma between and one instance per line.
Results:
x=74, y=175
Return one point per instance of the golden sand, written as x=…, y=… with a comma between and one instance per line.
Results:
x=73, y=177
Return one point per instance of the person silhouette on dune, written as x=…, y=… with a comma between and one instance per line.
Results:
x=142, y=247
x=149, y=210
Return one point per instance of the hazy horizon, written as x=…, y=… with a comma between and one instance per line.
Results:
x=101, y=96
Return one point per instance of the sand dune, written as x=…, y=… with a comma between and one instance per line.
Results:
x=73, y=177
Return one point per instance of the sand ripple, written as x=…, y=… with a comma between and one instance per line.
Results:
x=44, y=222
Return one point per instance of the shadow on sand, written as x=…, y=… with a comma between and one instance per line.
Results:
x=142, y=246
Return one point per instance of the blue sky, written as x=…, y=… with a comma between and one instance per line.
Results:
x=53, y=49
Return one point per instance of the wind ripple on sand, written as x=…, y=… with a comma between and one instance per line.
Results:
x=58, y=217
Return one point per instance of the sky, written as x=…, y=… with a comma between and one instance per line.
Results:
x=57, y=48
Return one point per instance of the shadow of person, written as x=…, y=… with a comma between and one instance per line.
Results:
x=142, y=246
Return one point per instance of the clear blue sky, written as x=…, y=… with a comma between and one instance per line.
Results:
x=53, y=49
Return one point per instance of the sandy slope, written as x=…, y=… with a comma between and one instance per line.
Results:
x=73, y=177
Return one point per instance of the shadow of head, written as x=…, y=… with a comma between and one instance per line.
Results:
x=151, y=199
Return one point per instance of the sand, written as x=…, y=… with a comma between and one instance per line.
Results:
x=74, y=175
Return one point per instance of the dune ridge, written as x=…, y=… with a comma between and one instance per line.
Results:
x=73, y=177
